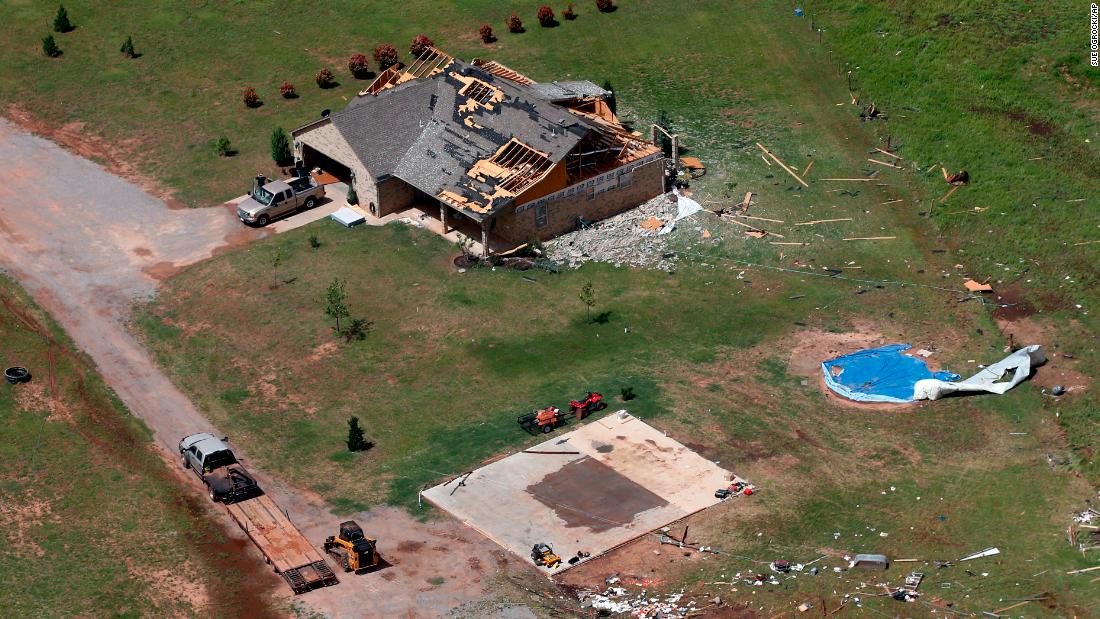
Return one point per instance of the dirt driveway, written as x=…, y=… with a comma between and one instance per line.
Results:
x=86, y=244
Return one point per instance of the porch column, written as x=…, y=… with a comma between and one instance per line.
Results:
x=443, y=216
x=485, y=238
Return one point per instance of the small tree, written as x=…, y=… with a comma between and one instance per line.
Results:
x=569, y=13
x=223, y=147
x=610, y=100
x=287, y=90
x=356, y=440
x=250, y=97
x=336, y=302
x=358, y=66
x=515, y=24
x=420, y=43
x=605, y=6
x=545, y=16
x=486, y=32
x=385, y=55
x=665, y=123
x=325, y=78
x=128, y=47
x=61, y=21
x=276, y=262
x=49, y=47
x=280, y=147
x=588, y=297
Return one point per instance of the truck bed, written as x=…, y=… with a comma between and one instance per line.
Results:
x=282, y=544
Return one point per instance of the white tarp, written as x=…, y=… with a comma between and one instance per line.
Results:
x=989, y=379
x=685, y=207
x=348, y=217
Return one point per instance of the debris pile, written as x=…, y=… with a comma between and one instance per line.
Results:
x=616, y=600
x=629, y=239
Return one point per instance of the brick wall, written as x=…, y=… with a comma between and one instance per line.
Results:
x=611, y=195
x=393, y=194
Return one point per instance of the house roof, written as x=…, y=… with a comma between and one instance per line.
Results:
x=564, y=91
x=451, y=134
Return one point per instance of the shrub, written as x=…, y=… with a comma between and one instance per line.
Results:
x=419, y=44
x=50, y=48
x=546, y=16
x=358, y=66
x=486, y=32
x=515, y=24
x=627, y=393
x=385, y=55
x=280, y=147
x=325, y=78
x=61, y=21
x=223, y=147
x=569, y=13
x=353, y=198
x=128, y=47
x=605, y=6
x=314, y=242
x=287, y=90
x=250, y=97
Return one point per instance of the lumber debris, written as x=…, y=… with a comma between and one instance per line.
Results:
x=782, y=165
x=774, y=221
x=885, y=163
x=889, y=154
x=745, y=202
x=855, y=180
x=788, y=243
x=822, y=221
x=974, y=286
x=948, y=194
x=869, y=238
x=892, y=201
x=753, y=230
x=808, y=166
x=1086, y=242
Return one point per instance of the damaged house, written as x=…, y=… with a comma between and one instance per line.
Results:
x=485, y=149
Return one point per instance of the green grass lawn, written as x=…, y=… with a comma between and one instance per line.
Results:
x=93, y=522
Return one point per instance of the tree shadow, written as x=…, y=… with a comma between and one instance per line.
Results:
x=602, y=318
x=553, y=23
x=329, y=85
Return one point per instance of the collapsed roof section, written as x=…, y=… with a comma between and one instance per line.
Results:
x=477, y=136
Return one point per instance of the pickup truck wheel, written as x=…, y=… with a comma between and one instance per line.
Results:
x=310, y=203
x=262, y=220
x=214, y=495
x=183, y=462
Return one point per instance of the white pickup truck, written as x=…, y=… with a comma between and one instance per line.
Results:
x=270, y=200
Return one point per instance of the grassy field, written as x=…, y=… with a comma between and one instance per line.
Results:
x=94, y=523
x=714, y=350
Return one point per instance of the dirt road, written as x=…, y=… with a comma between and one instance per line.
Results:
x=86, y=244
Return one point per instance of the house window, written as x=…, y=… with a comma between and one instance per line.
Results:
x=540, y=217
x=591, y=193
x=626, y=179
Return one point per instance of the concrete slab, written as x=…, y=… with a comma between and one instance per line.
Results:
x=614, y=479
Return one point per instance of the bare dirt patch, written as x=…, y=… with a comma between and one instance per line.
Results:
x=1059, y=369
x=17, y=518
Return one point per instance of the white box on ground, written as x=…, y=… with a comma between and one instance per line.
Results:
x=348, y=217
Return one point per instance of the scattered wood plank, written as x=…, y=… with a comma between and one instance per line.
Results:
x=1086, y=242
x=745, y=202
x=1017, y=604
x=1076, y=200
x=948, y=194
x=869, y=238
x=1035, y=159
x=888, y=154
x=1082, y=571
x=774, y=221
x=782, y=165
x=892, y=201
x=822, y=221
x=889, y=165
x=561, y=453
x=855, y=180
x=754, y=228
x=788, y=243
x=766, y=160
x=808, y=166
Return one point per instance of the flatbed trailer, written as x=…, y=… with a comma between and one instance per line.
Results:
x=283, y=546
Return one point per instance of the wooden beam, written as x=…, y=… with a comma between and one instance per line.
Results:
x=869, y=238
x=889, y=165
x=782, y=165
x=822, y=221
x=856, y=180
x=774, y=221
x=808, y=166
x=888, y=153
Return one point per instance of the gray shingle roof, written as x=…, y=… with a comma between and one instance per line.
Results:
x=415, y=131
x=562, y=91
